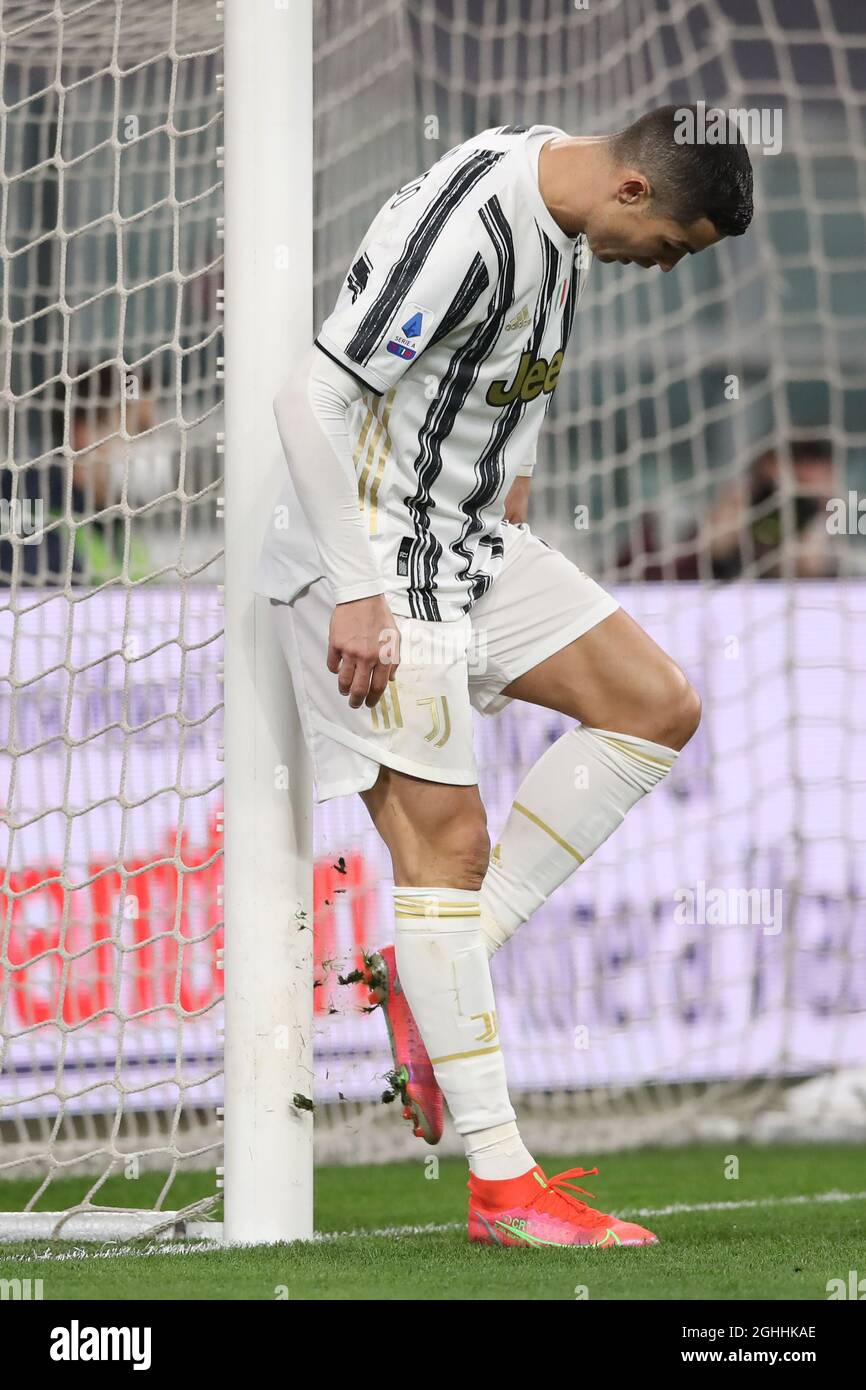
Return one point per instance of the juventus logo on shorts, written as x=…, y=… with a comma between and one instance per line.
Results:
x=441, y=720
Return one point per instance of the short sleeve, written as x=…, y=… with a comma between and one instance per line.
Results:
x=404, y=292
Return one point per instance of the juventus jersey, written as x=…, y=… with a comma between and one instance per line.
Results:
x=454, y=317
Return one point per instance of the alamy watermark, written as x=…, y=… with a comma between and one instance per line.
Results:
x=759, y=126
x=22, y=517
x=846, y=516
x=705, y=906
x=21, y=1290
x=435, y=645
x=84, y=1343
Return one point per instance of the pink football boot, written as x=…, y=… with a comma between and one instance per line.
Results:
x=413, y=1077
x=535, y=1210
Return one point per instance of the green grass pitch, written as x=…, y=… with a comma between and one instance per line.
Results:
x=792, y=1220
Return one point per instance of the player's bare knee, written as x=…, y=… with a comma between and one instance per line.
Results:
x=460, y=847
x=678, y=712
x=463, y=846
x=473, y=852
x=450, y=848
x=692, y=714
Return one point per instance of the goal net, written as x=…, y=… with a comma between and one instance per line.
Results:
x=110, y=618
x=705, y=974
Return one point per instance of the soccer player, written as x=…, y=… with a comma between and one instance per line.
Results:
x=409, y=589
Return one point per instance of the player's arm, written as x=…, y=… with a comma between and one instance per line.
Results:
x=517, y=498
x=311, y=410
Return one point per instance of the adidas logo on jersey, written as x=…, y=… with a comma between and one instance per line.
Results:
x=521, y=320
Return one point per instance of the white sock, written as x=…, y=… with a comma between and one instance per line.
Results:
x=568, y=804
x=445, y=974
x=498, y=1153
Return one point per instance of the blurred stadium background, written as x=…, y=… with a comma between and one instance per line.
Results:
x=702, y=424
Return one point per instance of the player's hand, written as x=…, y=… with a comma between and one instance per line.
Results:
x=363, y=649
x=517, y=501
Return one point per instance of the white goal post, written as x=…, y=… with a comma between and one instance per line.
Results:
x=268, y=796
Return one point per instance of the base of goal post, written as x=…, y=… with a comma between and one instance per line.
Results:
x=106, y=1226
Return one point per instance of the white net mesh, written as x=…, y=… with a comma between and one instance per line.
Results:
x=109, y=615
x=619, y=1022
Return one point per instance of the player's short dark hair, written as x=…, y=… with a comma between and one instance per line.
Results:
x=691, y=180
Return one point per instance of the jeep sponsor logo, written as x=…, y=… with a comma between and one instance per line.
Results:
x=534, y=375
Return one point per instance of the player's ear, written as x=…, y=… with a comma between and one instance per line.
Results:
x=633, y=189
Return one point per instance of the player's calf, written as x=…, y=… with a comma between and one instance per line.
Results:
x=437, y=837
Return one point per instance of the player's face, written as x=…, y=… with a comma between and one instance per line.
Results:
x=633, y=233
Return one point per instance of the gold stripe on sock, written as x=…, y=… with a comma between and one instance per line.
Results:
x=415, y=912
x=458, y=1056
x=548, y=830
x=433, y=902
x=637, y=753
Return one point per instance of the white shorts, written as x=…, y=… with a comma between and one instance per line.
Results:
x=538, y=603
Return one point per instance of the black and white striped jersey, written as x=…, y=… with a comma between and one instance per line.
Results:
x=454, y=315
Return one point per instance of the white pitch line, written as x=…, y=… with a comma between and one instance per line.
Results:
x=431, y=1229
x=682, y=1208
x=679, y=1208
x=111, y=1252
